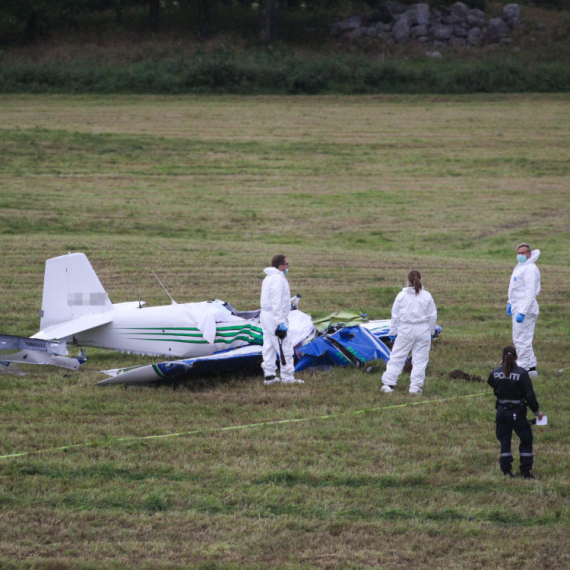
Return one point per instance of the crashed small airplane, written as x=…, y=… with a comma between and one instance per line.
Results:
x=341, y=339
x=204, y=337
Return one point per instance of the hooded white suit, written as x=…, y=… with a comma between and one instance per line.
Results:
x=524, y=287
x=413, y=321
x=275, y=308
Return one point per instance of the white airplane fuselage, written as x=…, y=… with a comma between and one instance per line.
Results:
x=165, y=330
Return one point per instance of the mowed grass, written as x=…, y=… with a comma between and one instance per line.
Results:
x=356, y=191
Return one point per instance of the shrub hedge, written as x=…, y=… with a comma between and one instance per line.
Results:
x=266, y=73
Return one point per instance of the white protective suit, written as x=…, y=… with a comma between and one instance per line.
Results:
x=524, y=287
x=413, y=321
x=275, y=308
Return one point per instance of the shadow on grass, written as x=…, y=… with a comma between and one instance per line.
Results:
x=200, y=382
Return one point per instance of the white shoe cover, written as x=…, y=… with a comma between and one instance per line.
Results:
x=274, y=380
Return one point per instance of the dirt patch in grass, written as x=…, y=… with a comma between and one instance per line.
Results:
x=461, y=375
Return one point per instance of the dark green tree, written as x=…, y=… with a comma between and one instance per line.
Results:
x=269, y=25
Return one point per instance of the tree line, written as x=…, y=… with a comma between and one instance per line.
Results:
x=32, y=20
x=28, y=21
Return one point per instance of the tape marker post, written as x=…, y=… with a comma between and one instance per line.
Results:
x=229, y=428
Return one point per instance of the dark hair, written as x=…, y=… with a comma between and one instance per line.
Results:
x=509, y=359
x=278, y=260
x=415, y=279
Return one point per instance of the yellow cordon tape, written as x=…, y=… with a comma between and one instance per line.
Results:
x=209, y=430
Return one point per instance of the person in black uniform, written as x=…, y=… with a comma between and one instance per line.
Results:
x=513, y=389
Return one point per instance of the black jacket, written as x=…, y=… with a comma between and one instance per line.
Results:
x=516, y=389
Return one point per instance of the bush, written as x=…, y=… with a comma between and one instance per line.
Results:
x=225, y=71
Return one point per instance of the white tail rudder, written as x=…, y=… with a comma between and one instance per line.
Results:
x=71, y=290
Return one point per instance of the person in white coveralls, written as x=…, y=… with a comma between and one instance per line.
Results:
x=522, y=305
x=414, y=317
x=274, y=317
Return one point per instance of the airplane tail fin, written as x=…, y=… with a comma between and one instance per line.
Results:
x=71, y=290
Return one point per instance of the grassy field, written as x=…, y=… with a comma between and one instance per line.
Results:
x=356, y=191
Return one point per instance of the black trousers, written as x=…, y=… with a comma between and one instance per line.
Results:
x=508, y=420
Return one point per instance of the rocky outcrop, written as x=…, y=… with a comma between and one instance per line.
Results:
x=458, y=24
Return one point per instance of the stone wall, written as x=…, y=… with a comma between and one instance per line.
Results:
x=396, y=23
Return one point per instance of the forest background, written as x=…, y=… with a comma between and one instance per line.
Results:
x=271, y=46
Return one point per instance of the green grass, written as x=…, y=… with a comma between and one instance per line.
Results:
x=356, y=191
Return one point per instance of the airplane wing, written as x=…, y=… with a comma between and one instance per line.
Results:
x=35, y=357
x=75, y=326
x=35, y=351
x=225, y=361
x=13, y=342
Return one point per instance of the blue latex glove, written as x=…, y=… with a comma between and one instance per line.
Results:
x=282, y=328
x=519, y=318
x=392, y=338
x=509, y=312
